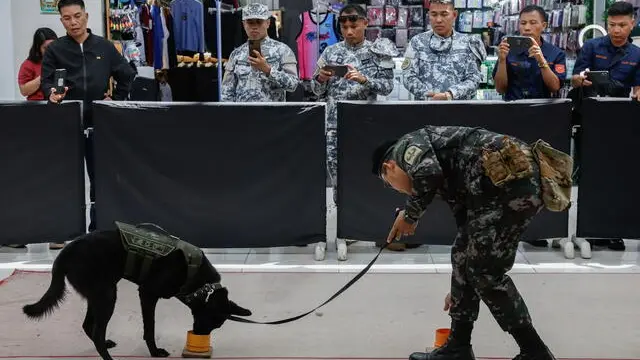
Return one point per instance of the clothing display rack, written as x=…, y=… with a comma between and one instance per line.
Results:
x=219, y=9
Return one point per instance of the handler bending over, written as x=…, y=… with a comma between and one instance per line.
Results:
x=459, y=164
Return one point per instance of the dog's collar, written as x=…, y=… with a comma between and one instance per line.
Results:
x=204, y=292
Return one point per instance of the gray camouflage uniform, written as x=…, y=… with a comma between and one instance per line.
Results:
x=446, y=161
x=436, y=64
x=243, y=83
x=371, y=59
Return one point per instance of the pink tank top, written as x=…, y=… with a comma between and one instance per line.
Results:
x=309, y=48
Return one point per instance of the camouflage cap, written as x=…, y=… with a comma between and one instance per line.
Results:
x=256, y=11
x=384, y=47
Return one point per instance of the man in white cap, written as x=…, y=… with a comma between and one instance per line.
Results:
x=262, y=69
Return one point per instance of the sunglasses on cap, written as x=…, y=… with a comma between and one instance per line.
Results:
x=351, y=18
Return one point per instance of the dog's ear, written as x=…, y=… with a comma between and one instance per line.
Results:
x=237, y=310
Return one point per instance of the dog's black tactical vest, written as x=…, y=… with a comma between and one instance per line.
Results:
x=143, y=246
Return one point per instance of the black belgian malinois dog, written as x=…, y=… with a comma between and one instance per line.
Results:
x=95, y=262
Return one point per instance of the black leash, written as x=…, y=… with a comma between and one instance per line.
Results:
x=348, y=285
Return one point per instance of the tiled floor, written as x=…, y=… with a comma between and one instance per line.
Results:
x=584, y=309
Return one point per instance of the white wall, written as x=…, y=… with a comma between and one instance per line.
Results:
x=7, y=88
x=27, y=18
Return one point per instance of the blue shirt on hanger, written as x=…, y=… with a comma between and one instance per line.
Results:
x=158, y=36
x=188, y=25
x=524, y=76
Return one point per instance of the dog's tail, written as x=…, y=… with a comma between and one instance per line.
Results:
x=56, y=293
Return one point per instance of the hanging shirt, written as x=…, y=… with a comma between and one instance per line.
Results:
x=187, y=25
x=158, y=37
x=147, y=23
x=524, y=76
x=309, y=46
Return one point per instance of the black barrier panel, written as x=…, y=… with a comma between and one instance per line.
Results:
x=42, y=182
x=216, y=175
x=365, y=207
x=608, y=193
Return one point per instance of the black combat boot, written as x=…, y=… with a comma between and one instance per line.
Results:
x=531, y=345
x=448, y=351
x=457, y=347
x=543, y=354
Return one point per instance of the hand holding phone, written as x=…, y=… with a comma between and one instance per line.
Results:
x=254, y=45
x=519, y=43
x=598, y=77
x=337, y=70
x=59, y=79
x=503, y=49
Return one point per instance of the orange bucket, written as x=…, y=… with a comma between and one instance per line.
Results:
x=441, y=337
x=198, y=343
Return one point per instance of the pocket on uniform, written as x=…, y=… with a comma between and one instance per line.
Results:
x=556, y=169
x=425, y=62
x=242, y=70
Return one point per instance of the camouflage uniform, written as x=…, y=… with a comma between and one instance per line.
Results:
x=374, y=61
x=244, y=83
x=436, y=64
x=446, y=161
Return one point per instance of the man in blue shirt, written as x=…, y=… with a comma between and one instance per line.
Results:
x=613, y=53
x=533, y=73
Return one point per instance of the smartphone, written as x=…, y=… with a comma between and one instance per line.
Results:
x=254, y=45
x=519, y=42
x=338, y=70
x=58, y=80
x=598, y=77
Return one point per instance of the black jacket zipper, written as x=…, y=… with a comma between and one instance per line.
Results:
x=84, y=73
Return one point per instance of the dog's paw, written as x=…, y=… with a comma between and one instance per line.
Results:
x=110, y=344
x=160, y=353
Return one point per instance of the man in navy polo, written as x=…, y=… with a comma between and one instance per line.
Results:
x=616, y=54
x=613, y=53
x=533, y=73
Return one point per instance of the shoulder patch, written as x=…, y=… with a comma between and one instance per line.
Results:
x=409, y=54
x=560, y=69
x=412, y=154
x=406, y=63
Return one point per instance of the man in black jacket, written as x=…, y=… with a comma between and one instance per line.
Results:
x=90, y=61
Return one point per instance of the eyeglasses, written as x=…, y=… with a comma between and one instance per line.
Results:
x=445, y=2
x=352, y=18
